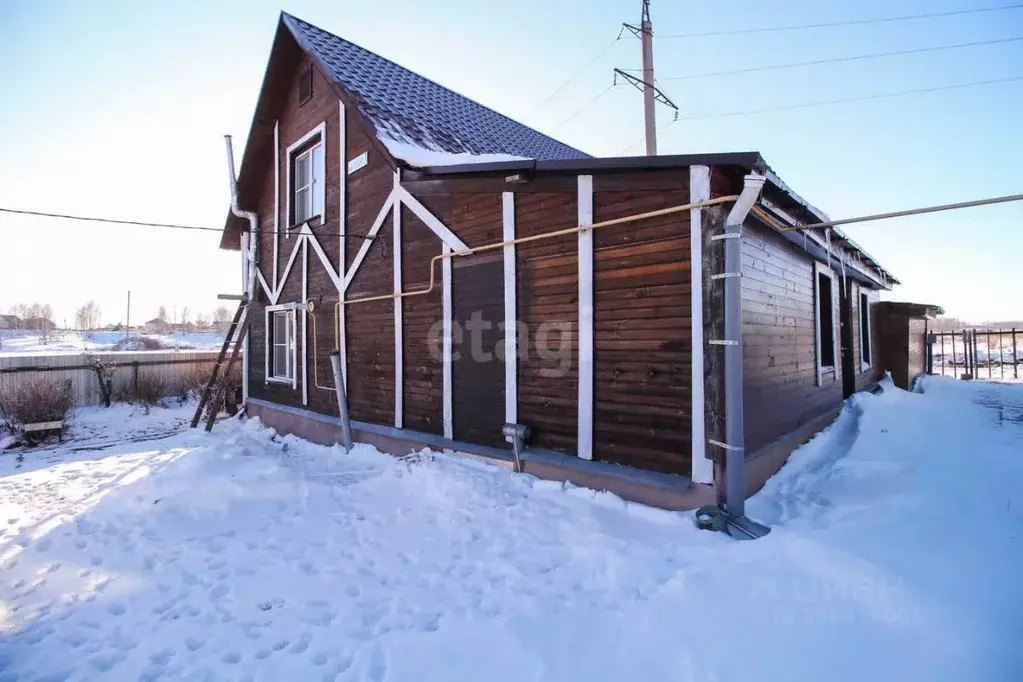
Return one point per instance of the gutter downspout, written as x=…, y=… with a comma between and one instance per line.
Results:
x=253, y=219
x=734, y=445
x=253, y=254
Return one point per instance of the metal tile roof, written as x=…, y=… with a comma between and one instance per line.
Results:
x=407, y=107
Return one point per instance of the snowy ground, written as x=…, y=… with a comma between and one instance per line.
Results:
x=75, y=342
x=896, y=554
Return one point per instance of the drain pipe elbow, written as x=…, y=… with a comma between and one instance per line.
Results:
x=253, y=248
x=734, y=441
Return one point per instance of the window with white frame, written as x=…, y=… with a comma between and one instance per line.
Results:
x=281, y=351
x=824, y=323
x=306, y=178
x=865, y=349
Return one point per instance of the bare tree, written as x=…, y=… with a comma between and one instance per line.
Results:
x=162, y=314
x=202, y=320
x=45, y=317
x=222, y=314
x=184, y=315
x=87, y=317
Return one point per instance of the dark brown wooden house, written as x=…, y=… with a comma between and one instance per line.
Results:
x=369, y=181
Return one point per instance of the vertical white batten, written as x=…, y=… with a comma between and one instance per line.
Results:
x=342, y=217
x=399, y=365
x=446, y=341
x=699, y=190
x=585, y=412
x=277, y=198
x=511, y=357
x=248, y=313
x=305, y=322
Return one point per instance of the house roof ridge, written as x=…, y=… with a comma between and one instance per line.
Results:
x=451, y=115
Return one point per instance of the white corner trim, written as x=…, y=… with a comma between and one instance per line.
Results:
x=820, y=268
x=699, y=190
x=305, y=321
x=277, y=196
x=446, y=341
x=320, y=130
x=367, y=243
x=585, y=396
x=511, y=355
x=430, y=220
x=399, y=365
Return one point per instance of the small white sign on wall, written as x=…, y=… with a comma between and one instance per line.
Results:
x=358, y=162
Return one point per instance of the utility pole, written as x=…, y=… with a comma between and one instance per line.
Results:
x=646, y=35
x=127, y=324
x=651, y=93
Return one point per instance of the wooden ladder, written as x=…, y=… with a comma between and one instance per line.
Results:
x=213, y=394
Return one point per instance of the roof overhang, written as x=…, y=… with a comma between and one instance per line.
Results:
x=927, y=311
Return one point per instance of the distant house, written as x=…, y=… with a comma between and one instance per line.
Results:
x=10, y=322
x=38, y=324
x=156, y=326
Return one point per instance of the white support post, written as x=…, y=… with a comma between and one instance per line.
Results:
x=446, y=340
x=399, y=364
x=305, y=322
x=277, y=197
x=585, y=411
x=699, y=190
x=511, y=355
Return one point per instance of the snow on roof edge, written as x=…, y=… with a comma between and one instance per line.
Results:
x=418, y=156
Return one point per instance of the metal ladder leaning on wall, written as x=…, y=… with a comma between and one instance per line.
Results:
x=213, y=394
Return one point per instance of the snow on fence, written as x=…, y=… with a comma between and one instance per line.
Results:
x=175, y=369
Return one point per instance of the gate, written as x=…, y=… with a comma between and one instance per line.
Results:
x=975, y=353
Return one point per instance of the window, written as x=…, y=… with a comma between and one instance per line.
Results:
x=306, y=178
x=305, y=85
x=865, y=331
x=824, y=321
x=280, y=344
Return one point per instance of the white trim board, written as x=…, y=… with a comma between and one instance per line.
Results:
x=430, y=220
x=511, y=356
x=699, y=190
x=585, y=245
x=277, y=197
x=446, y=341
x=368, y=242
x=311, y=238
x=399, y=365
x=818, y=269
x=342, y=138
x=305, y=322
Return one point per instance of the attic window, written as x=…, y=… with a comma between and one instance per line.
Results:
x=305, y=85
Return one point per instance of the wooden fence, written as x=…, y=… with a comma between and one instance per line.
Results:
x=172, y=368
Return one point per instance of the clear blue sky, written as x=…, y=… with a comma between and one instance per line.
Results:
x=117, y=109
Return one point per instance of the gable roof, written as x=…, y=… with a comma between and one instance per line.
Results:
x=406, y=107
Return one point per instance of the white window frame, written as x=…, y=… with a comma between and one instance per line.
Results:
x=865, y=363
x=824, y=370
x=318, y=188
x=292, y=346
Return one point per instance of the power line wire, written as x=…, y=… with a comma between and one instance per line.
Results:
x=806, y=105
x=835, y=60
x=138, y=223
x=584, y=107
x=571, y=78
x=854, y=22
